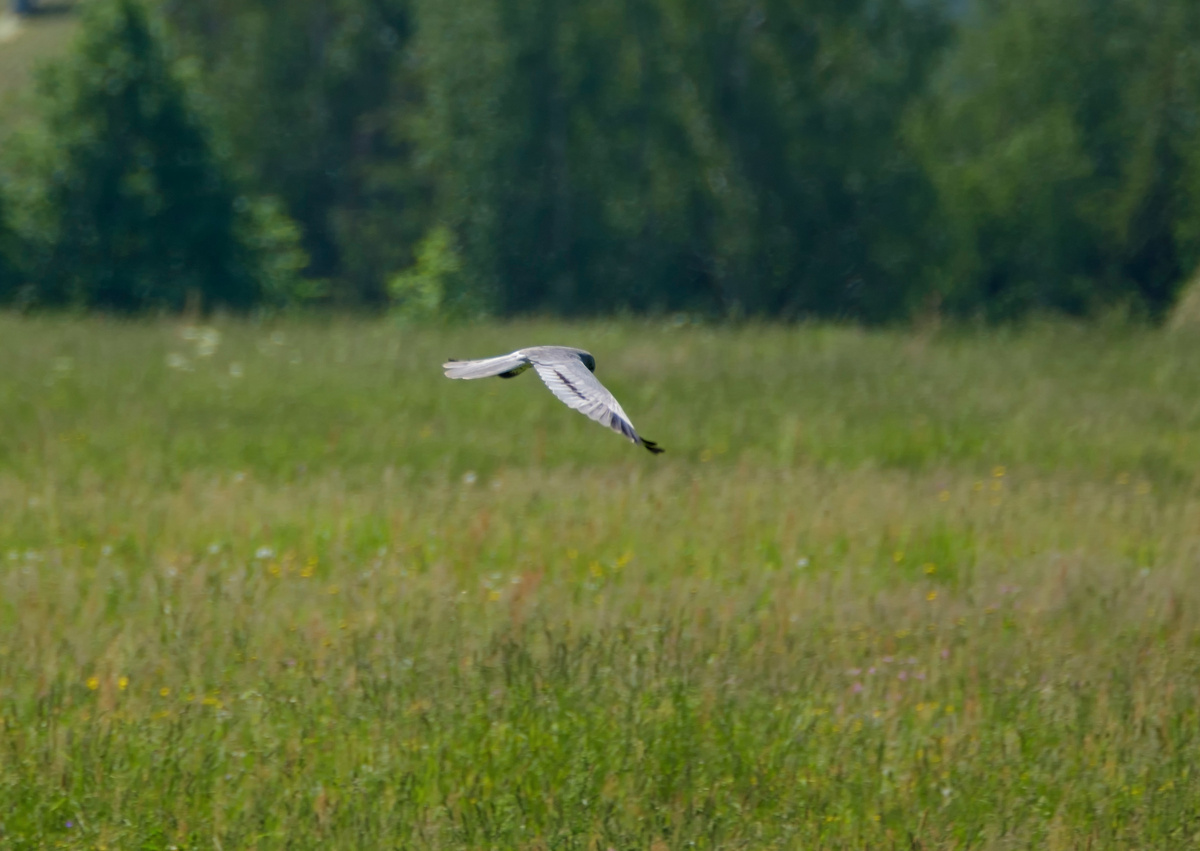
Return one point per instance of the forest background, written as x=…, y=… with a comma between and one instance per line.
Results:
x=870, y=160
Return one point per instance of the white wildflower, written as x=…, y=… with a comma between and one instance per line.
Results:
x=207, y=342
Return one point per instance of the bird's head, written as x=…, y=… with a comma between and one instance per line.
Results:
x=588, y=361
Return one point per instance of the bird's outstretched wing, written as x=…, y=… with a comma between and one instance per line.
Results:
x=572, y=382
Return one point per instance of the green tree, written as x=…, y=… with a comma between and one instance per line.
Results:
x=418, y=293
x=1062, y=139
x=735, y=158
x=8, y=254
x=130, y=204
x=318, y=101
x=817, y=202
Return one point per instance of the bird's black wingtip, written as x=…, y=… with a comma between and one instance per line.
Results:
x=652, y=446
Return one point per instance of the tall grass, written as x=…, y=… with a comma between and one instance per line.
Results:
x=283, y=585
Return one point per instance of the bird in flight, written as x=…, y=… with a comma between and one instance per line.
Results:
x=568, y=374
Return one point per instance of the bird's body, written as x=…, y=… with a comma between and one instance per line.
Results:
x=568, y=373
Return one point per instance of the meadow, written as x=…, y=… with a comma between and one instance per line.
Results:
x=280, y=584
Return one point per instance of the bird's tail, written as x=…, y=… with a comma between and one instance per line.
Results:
x=505, y=365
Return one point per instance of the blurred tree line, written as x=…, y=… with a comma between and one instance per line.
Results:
x=781, y=158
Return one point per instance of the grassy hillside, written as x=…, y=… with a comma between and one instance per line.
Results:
x=284, y=585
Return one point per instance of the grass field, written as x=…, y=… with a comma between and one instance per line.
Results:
x=284, y=586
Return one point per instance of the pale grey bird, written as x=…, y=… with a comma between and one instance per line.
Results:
x=568, y=374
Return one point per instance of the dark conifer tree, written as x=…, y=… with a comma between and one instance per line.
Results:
x=139, y=208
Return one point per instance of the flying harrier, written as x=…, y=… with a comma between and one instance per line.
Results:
x=568, y=374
